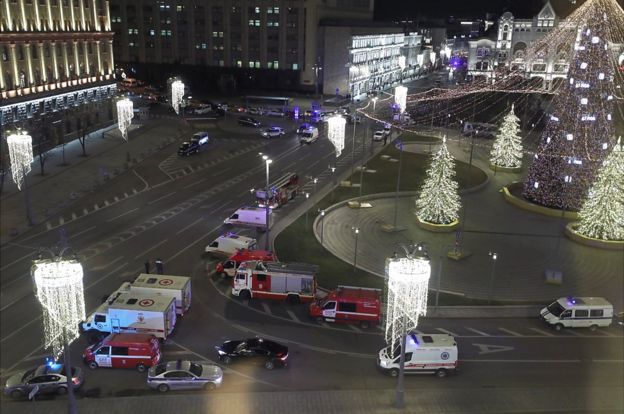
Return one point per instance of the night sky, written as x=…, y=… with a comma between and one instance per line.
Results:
x=396, y=9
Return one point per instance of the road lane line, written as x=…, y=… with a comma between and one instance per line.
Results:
x=266, y=308
x=18, y=260
x=478, y=331
x=195, y=183
x=192, y=244
x=510, y=332
x=150, y=249
x=446, y=332
x=12, y=367
x=292, y=315
x=107, y=265
x=190, y=225
x=161, y=198
x=142, y=179
x=20, y=329
x=541, y=331
x=603, y=333
x=209, y=205
x=117, y=269
x=122, y=214
x=572, y=332
x=354, y=328
x=81, y=232
x=222, y=206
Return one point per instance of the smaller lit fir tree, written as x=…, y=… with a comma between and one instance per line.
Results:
x=507, y=149
x=439, y=201
x=602, y=215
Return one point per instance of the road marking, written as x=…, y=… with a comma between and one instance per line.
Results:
x=509, y=331
x=116, y=199
x=9, y=369
x=604, y=333
x=150, y=249
x=74, y=216
x=20, y=329
x=478, y=331
x=85, y=211
x=292, y=315
x=17, y=260
x=117, y=269
x=541, y=331
x=266, y=308
x=190, y=225
x=192, y=244
x=354, y=328
x=222, y=206
x=161, y=198
x=81, y=232
x=109, y=264
x=142, y=179
x=196, y=182
x=491, y=349
x=122, y=214
x=571, y=332
x=446, y=332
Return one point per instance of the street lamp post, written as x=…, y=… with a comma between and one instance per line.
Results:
x=353, y=152
x=356, y=231
x=494, y=256
x=396, y=195
x=267, y=198
x=322, y=225
x=307, y=196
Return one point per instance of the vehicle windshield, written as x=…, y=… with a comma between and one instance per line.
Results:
x=240, y=347
x=196, y=369
x=28, y=375
x=555, y=308
x=160, y=368
x=185, y=145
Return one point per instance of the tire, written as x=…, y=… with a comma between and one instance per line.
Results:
x=269, y=365
x=245, y=295
x=394, y=372
x=293, y=299
x=140, y=368
x=558, y=327
x=226, y=360
x=593, y=328
x=441, y=373
x=319, y=319
x=163, y=388
x=210, y=386
x=364, y=324
x=61, y=390
x=93, y=365
x=16, y=394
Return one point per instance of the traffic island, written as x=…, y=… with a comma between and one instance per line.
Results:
x=437, y=228
x=497, y=168
x=512, y=193
x=572, y=234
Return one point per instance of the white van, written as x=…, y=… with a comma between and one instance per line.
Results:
x=229, y=243
x=309, y=135
x=250, y=216
x=424, y=354
x=574, y=312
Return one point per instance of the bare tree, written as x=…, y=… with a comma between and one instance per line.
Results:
x=84, y=125
x=43, y=142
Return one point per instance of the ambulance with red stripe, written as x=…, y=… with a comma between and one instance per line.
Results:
x=424, y=354
x=130, y=312
x=178, y=287
x=349, y=304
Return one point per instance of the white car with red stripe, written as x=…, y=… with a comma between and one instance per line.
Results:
x=424, y=354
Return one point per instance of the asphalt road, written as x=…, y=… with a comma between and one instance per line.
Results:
x=182, y=209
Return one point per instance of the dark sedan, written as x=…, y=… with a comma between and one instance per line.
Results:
x=270, y=353
x=47, y=379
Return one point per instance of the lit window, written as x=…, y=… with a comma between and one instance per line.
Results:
x=275, y=24
x=275, y=64
x=239, y=64
x=251, y=22
x=152, y=32
x=295, y=66
x=251, y=64
x=257, y=64
x=270, y=65
x=203, y=46
x=220, y=34
x=221, y=63
x=179, y=8
x=258, y=10
x=257, y=22
x=215, y=34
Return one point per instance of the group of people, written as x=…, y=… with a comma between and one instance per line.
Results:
x=159, y=266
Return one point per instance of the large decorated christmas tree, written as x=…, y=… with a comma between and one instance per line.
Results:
x=439, y=200
x=602, y=215
x=580, y=128
x=507, y=149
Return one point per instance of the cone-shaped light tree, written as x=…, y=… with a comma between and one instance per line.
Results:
x=602, y=215
x=573, y=144
x=507, y=149
x=439, y=201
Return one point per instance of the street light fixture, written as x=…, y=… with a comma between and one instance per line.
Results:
x=307, y=196
x=322, y=225
x=356, y=231
x=267, y=198
x=494, y=256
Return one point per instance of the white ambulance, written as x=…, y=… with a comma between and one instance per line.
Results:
x=129, y=312
x=572, y=312
x=424, y=354
x=178, y=287
x=229, y=243
x=250, y=216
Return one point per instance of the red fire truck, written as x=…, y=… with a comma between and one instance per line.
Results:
x=229, y=266
x=283, y=189
x=295, y=282
x=349, y=304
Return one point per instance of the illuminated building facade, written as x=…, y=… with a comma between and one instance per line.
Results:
x=56, y=57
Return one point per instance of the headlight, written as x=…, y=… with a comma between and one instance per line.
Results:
x=221, y=352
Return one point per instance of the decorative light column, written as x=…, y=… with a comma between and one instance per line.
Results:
x=177, y=93
x=408, y=286
x=59, y=289
x=400, y=97
x=125, y=113
x=336, y=132
x=21, y=156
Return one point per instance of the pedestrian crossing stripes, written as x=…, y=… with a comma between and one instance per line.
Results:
x=509, y=331
x=541, y=332
x=478, y=331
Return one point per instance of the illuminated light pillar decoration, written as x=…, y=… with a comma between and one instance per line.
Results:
x=21, y=156
x=125, y=112
x=401, y=66
x=408, y=286
x=336, y=133
x=177, y=93
x=59, y=289
x=400, y=97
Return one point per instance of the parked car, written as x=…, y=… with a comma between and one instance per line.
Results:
x=387, y=129
x=270, y=353
x=50, y=378
x=201, y=137
x=194, y=145
x=184, y=375
x=248, y=121
x=202, y=109
x=378, y=135
x=275, y=112
x=354, y=119
x=272, y=132
x=255, y=111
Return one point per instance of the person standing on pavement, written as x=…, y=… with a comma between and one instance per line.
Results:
x=385, y=138
x=147, y=266
x=159, y=266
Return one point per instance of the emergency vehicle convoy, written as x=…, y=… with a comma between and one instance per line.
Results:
x=178, y=287
x=130, y=312
x=349, y=304
x=424, y=354
x=283, y=189
x=229, y=266
x=295, y=282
